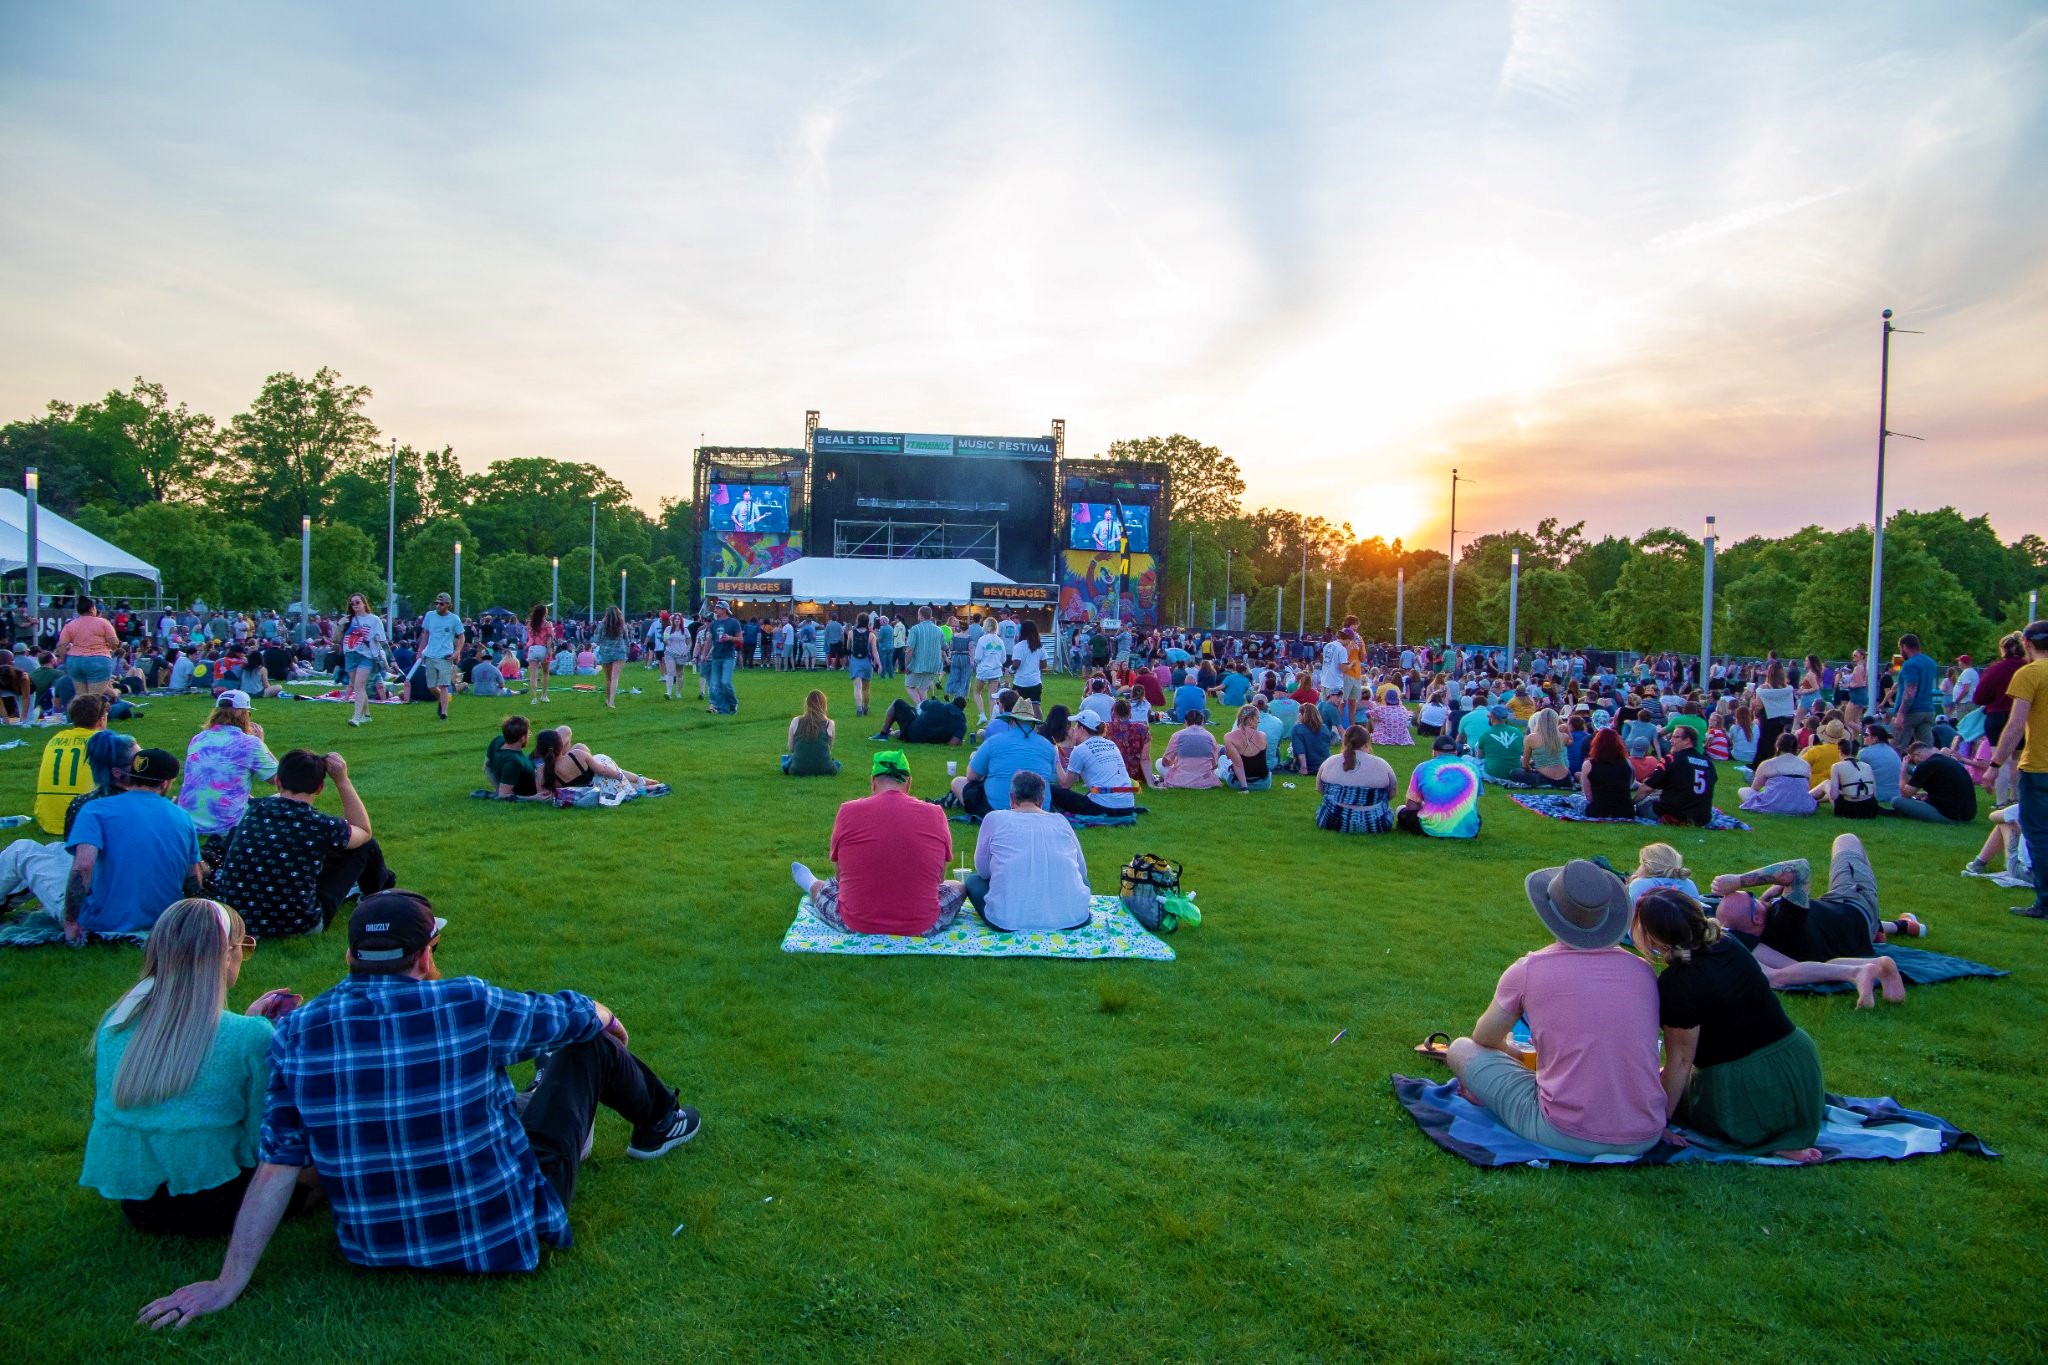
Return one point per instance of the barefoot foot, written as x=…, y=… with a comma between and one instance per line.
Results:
x=1893, y=984
x=1866, y=986
x=1805, y=1156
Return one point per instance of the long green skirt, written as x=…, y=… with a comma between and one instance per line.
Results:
x=1770, y=1101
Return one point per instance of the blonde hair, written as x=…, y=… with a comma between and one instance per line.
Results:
x=1543, y=729
x=1247, y=718
x=193, y=951
x=1661, y=860
x=236, y=716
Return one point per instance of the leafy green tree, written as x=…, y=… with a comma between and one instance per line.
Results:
x=429, y=485
x=74, y=461
x=426, y=564
x=1202, y=482
x=518, y=580
x=1553, y=609
x=1599, y=565
x=1372, y=602
x=163, y=452
x=183, y=541
x=671, y=536
x=542, y=507
x=1919, y=596
x=1967, y=548
x=642, y=593
x=344, y=561
x=1757, y=614
x=282, y=455
x=1655, y=603
x=251, y=571
x=666, y=569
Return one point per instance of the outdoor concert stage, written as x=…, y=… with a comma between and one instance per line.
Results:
x=1091, y=535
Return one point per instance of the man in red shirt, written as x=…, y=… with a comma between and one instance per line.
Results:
x=891, y=850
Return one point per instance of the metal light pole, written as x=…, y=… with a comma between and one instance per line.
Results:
x=1326, y=603
x=1884, y=374
x=1707, y=607
x=1229, y=557
x=1451, y=580
x=1279, y=608
x=1301, y=597
x=391, y=549
x=1191, y=580
x=305, y=575
x=1514, y=599
x=2033, y=607
x=555, y=589
x=458, y=578
x=1400, y=602
x=622, y=592
x=35, y=594
x=671, y=597
x=590, y=608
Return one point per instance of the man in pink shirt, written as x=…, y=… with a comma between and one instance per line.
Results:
x=891, y=850
x=1592, y=1012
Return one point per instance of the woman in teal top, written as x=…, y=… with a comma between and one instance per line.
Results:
x=178, y=1080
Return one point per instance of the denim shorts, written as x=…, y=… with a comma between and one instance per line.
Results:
x=357, y=659
x=88, y=668
x=860, y=668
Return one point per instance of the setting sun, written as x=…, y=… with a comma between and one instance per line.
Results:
x=1391, y=511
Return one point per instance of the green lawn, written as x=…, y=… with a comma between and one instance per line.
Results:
x=952, y=1159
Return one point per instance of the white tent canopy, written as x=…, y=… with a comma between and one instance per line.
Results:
x=884, y=582
x=61, y=546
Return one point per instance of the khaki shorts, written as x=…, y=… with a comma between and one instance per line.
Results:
x=921, y=681
x=438, y=672
x=1354, y=688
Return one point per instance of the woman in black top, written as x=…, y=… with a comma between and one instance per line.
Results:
x=1607, y=780
x=1736, y=1070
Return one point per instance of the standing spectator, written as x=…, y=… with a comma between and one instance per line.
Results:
x=726, y=637
x=2029, y=723
x=440, y=642
x=1915, y=710
x=86, y=646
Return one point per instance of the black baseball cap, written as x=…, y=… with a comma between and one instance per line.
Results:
x=390, y=929
x=157, y=766
x=1444, y=744
x=2036, y=632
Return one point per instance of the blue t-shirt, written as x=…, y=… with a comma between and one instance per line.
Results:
x=1885, y=765
x=440, y=628
x=1008, y=750
x=725, y=638
x=1917, y=677
x=1188, y=697
x=146, y=846
x=1235, y=688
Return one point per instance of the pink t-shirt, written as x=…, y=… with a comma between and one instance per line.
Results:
x=89, y=637
x=1593, y=1019
x=891, y=851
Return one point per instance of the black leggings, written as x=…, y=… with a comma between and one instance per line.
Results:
x=202, y=1213
x=1767, y=734
x=1067, y=801
x=573, y=1082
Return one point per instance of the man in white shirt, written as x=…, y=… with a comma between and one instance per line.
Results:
x=1962, y=703
x=1330, y=678
x=988, y=656
x=1093, y=779
x=1098, y=701
x=1029, y=875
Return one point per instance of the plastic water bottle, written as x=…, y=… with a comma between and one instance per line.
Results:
x=14, y=821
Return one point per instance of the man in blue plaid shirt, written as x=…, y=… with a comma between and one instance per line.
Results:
x=392, y=1087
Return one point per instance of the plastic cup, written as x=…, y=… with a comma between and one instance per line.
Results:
x=952, y=767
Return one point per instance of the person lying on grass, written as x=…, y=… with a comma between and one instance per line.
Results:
x=1735, y=1068
x=1799, y=938
x=392, y=1088
x=178, y=1080
x=507, y=767
x=1593, y=1017
x=559, y=763
x=934, y=720
x=891, y=852
x=1029, y=874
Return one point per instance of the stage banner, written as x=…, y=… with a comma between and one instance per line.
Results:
x=828, y=442
x=748, y=554
x=746, y=587
x=1088, y=588
x=1013, y=594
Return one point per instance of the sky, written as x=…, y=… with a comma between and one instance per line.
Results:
x=1613, y=262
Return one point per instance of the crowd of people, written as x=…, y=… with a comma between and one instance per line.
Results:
x=1654, y=1006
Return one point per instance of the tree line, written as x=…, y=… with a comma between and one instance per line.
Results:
x=1947, y=577
x=216, y=506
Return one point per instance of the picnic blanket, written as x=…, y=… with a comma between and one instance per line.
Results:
x=1854, y=1130
x=341, y=694
x=1917, y=965
x=1561, y=805
x=1077, y=821
x=600, y=795
x=13, y=744
x=1111, y=933
x=39, y=929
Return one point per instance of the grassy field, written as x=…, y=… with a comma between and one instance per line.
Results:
x=962, y=1160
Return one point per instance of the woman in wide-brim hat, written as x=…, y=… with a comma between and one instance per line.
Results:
x=1591, y=1006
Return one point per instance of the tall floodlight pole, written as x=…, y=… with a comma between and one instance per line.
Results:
x=1514, y=599
x=391, y=548
x=1280, y=609
x=590, y=603
x=1326, y=603
x=458, y=578
x=34, y=565
x=1451, y=580
x=1400, y=602
x=1229, y=556
x=1301, y=596
x=2033, y=607
x=305, y=574
x=622, y=592
x=555, y=589
x=1884, y=375
x=1707, y=606
x=671, y=597
x=1191, y=580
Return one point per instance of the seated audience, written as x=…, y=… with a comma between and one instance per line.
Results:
x=1099, y=700
x=1191, y=754
x=222, y=763
x=507, y=766
x=1013, y=745
x=1244, y=753
x=1885, y=765
x=1935, y=788
x=483, y=1185
x=1187, y=697
x=2005, y=843
x=1500, y=744
x=890, y=851
x=1684, y=786
x=1357, y=788
x=1029, y=873
x=561, y=764
x=1592, y=1011
x=290, y=866
x=1851, y=788
x=1543, y=754
x=1735, y=1069
x=132, y=854
x=935, y=720
x=1782, y=784
x=1823, y=753
x=1390, y=718
x=178, y=1080
x=63, y=774
x=1443, y=795
x=1660, y=865
x=1799, y=937
x=808, y=751
x=1311, y=740
x=1607, y=779
x=1092, y=778
x=1133, y=739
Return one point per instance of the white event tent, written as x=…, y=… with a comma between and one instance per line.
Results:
x=61, y=546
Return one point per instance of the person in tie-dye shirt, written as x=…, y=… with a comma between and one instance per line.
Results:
x=221, y=763
x=1443, y=795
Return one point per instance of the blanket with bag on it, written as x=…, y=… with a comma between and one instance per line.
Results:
x=1110, y=933
x=1564, y=805
x=1854, y=1130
